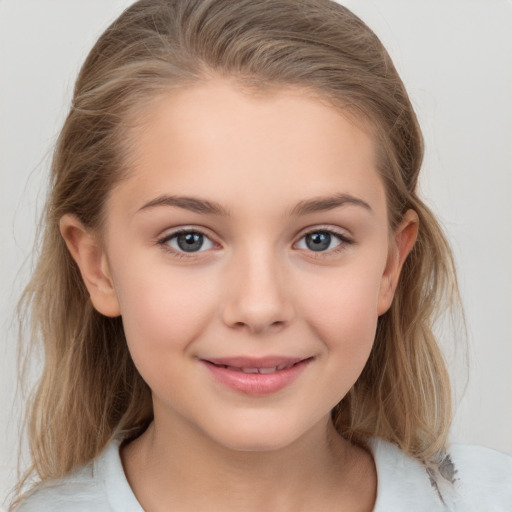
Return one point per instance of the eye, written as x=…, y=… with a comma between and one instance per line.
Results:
x=187, y=241
x=322, y=240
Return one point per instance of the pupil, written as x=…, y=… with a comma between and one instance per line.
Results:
x=190, y=242
x=318, y=241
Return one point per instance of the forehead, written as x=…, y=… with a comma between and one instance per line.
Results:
x=218, y=139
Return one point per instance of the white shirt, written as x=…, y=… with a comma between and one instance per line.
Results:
x=482, y=483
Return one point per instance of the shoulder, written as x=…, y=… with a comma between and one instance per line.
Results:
x=100, y=486
x=483, y=478
x=77, y=492
x=472, y=478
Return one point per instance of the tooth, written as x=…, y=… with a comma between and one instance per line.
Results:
x=282, y=367
x=249, y=370
x=268, y=370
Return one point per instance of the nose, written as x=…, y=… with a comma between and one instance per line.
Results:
x=258, y=294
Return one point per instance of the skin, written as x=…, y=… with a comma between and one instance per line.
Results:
x=254, y=289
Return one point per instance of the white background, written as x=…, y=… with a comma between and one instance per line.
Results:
x=455, y=57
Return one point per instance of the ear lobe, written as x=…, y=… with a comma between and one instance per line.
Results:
x=88, y=252
x=403, y=242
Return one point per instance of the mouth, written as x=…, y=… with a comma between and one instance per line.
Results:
x=255, y=369
x=261, y=365
x=252, y=376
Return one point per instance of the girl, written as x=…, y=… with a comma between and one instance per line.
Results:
x=238, y=280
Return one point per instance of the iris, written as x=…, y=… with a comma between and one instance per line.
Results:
x=319, y=241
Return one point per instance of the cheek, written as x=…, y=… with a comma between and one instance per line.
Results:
x=342, y=308
x=163, y=311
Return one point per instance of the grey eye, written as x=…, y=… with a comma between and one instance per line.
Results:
x=190, y=241
x=319, y=241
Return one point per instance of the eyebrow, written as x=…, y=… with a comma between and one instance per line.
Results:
x=320, y=204
x=305, y=207
x=188, y=203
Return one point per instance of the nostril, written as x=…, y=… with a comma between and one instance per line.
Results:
x=256, y=313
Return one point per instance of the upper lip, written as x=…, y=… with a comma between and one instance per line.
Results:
x=255, y=362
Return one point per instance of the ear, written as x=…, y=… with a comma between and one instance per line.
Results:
x=88, y=252
x=402, y=244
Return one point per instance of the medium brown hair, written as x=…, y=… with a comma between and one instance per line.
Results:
x=90, y=389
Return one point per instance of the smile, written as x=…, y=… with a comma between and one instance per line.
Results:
x=256, y=376
x=255, y=369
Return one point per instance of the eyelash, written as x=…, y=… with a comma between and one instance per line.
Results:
x=343, y=239
x=179, y=254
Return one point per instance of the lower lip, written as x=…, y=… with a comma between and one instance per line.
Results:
x=257, y=384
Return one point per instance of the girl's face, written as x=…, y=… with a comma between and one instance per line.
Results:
x=249, y=255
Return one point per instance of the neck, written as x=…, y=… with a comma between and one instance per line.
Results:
x=169, y=464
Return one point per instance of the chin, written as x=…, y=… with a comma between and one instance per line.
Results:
x=257, y=444
x=261, y=436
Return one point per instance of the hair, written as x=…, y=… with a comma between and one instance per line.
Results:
x=90, y=390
